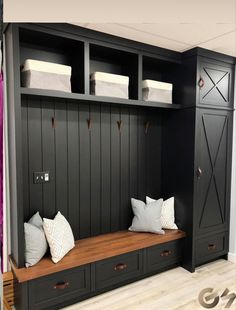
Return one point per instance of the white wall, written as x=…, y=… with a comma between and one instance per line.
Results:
x=232, y=238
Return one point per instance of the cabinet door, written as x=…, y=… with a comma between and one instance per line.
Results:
x=213, y=170
x=215, y=84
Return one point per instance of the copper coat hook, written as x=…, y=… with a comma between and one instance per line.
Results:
x=119, y=123
x=53, y=122
x=147, y=125
x=89, y=121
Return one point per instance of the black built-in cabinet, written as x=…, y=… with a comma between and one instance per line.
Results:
x=101, y=151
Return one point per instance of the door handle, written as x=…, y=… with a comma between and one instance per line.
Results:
x=199, y=172
x=201, y=82
x=166, y=253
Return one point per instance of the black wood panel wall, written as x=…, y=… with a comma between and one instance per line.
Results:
x=93, y=171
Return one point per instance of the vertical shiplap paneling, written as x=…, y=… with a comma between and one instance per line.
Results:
x=73, y=167
x=48, y=154
x=115, y=169
x=141, y=155
x=25, y=157
x=105, y=168
x=35, y=153
x=124, y=161
x=84, y=162
x=95, y=115
x=61, y=174
x=133, y=153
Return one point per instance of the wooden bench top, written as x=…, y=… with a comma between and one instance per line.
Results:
x=93, y=249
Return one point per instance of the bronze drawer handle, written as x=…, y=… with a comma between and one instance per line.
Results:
x=211, y=247
x=165, y=253
x=119, y=267
x=61, y=285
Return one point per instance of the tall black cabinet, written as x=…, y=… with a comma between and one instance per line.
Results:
x=203, y=142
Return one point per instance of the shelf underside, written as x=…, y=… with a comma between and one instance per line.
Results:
x=96, y=99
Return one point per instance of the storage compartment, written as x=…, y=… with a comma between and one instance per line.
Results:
x=157, y=91
x=118, y=269
x=109, y=60
x=159, y=70
x=163, y=255
x=211, y=247
x=107, y=84
x=54, y=49
x=215, y=84
x=51, y=290
x=46, y=75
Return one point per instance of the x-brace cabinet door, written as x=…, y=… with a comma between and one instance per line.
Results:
x=213, y=170
x=215, y=84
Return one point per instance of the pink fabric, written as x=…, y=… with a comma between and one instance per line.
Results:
x=1, y=165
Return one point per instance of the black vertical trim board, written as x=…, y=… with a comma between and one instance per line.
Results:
x=141, y=155
x=73, y=175
x=25, y=156
x=48, y=158
x=84, y=162
x=105, y=168
x=95, y=173
x=133, y=153
x=61, y=157
x=124, y=168
x=35, y=154
x=115, y=168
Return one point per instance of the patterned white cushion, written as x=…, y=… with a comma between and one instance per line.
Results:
x=59, y=236
x=167, y=213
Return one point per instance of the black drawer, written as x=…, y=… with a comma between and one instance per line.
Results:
x=118, y=269
x=163, y=255
x=49, y=291
x=211, y=247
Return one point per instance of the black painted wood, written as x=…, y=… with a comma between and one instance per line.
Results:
x=95, y=165
x=213, y=139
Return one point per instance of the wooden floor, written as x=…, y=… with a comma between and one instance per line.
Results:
x=170, y=290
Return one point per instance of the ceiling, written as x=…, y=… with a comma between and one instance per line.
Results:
x=219, y=37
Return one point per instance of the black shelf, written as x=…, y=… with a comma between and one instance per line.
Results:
x=96, y=99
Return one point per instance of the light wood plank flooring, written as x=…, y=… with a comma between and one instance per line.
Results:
x=176, y=289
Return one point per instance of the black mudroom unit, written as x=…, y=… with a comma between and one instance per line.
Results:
x=99, y=152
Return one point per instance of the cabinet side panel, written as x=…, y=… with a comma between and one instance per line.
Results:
x=178, y=172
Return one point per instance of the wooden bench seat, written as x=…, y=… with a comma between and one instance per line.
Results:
x=94, y=249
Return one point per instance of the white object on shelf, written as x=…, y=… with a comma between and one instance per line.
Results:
x=46, y=75
x=107, y=84
x=157, y=91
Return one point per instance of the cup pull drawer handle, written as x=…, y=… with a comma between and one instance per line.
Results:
x=211, y=247
x=119, y=267
x=165, y=253
x=61, y=285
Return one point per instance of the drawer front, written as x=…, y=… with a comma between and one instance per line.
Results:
x=54, y=289
x=211, y=247
x=162, y=255
x=118, y=269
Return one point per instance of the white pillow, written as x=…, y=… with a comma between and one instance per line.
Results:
x=147, y=218
x=167, y=213
x=59, y=236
